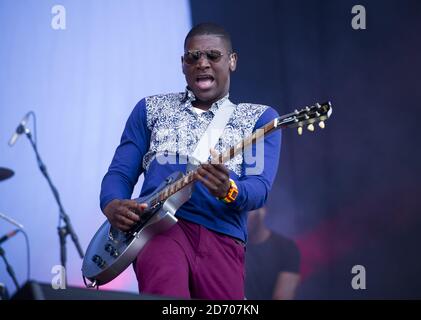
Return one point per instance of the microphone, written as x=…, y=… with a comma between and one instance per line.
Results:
x=19, y=130
x=8, y=219
x=9, y=235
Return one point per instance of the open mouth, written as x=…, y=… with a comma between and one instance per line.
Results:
x=204, y=81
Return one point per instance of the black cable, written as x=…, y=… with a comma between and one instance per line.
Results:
x=28, y=256
x=28, y=250
x=9, y=268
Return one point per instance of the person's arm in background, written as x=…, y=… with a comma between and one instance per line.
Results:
x=288, y=279
x=286, y=285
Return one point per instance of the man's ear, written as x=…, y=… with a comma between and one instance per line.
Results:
x=233, y=61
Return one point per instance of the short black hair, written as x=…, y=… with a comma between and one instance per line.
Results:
x=209, y=28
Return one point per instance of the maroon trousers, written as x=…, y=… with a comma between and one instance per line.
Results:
x=190, y=261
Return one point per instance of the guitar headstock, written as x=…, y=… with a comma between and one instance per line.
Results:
x=307, y=117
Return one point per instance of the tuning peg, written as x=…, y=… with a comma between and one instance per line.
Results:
x=300, y=131
x=322, y=124
x=310, y=127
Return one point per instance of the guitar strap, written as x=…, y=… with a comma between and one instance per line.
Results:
x=214, y=131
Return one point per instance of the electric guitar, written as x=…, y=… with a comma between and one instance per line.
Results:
x=111, y=251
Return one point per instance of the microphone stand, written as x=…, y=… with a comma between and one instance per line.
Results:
x=9, y=268
x=67, y=229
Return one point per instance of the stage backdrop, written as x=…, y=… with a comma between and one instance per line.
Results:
x=349, y=194
x=81, y=68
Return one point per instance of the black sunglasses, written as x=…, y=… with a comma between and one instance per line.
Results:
x=192, y=56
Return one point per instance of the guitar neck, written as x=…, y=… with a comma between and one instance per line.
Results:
x=307, y=116
x=175, y=187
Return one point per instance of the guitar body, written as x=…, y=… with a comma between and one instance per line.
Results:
x=111, y=251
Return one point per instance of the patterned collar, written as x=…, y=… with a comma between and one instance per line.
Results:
x=189, y=97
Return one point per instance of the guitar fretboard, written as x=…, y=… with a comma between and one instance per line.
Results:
x=174, y=187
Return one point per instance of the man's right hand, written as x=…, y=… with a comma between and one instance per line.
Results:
x=123, y=214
